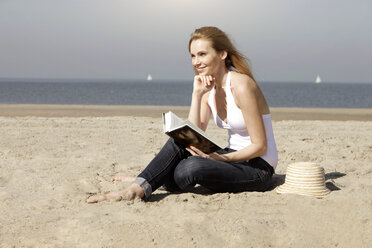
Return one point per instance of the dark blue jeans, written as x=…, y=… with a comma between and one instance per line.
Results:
x=177, y=170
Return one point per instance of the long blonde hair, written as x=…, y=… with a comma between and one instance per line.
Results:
x=221, y=42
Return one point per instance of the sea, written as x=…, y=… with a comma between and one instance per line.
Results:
x=177, y=93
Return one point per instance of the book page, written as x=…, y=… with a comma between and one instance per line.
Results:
x=175, y=120
x=171, y=121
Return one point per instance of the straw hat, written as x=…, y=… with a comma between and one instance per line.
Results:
x=304, y=178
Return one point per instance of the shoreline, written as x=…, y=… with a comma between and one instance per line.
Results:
x=278, y=113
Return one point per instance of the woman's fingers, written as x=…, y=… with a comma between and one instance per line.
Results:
x=210, y=79
x=191, y=152
x=204, y=80
x=196, y=152
x=207, y=81
x=203, y=83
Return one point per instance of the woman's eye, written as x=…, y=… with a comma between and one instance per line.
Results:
x=202, y=54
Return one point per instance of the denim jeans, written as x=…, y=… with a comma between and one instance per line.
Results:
x=176, y=169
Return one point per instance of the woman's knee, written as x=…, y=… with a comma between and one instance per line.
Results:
x=172, y=146
x=188, y=171
x=171, y=142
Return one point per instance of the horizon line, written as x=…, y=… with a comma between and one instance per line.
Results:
x=100, y=79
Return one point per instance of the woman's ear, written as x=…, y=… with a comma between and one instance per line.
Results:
x=223, y=55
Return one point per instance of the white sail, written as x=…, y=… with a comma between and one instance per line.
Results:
x=318, y=79
x=149, y=77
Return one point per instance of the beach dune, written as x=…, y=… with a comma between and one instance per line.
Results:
x=53, y=157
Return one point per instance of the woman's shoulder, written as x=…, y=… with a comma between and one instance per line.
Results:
x=241, y=82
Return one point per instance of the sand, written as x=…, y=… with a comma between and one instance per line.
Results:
x=50, y=163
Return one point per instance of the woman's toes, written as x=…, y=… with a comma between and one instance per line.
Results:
x=122, y=179
x=128, y=194
x=96, y=198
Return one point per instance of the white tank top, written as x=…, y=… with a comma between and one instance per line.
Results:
x=237, y=129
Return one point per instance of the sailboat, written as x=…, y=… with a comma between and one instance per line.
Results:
x=318, y=79
x=149, y=77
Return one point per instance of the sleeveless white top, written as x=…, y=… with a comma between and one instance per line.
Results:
x=237, y=129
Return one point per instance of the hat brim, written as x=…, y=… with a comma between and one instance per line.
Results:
x=310, y=191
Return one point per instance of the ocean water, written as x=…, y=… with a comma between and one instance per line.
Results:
x=278, y=94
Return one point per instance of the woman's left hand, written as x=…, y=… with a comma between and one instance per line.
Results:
x=214, y=156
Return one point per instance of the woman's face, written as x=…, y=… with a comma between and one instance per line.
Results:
x=205, y=59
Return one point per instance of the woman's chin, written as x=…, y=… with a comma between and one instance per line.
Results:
x=204, y=73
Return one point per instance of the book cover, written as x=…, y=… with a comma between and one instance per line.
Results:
x=186, y=133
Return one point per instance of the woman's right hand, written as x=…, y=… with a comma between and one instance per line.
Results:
x=203, y=84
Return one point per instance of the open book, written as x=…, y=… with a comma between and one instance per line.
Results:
x=186, y=133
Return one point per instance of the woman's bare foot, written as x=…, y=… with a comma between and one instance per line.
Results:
x=115, y=195
x=132, y=192
x=123, y=179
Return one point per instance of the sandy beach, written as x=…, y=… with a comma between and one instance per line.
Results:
x=52, y=157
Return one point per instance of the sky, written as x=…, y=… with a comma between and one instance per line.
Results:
x=284, y=40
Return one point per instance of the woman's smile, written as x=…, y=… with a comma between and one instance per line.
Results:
x=201, y=69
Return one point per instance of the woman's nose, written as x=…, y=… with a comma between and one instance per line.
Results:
x=196, y=61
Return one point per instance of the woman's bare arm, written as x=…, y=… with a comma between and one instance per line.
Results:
x=200, y=112
x=245, y=96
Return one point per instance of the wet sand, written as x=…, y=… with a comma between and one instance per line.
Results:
x=156, y=111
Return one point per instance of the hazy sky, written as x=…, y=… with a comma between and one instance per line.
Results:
x=285, y=40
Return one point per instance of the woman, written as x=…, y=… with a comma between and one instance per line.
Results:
x=224, y=88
